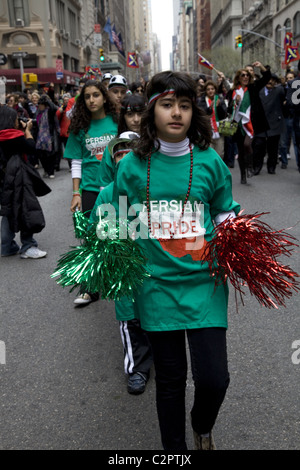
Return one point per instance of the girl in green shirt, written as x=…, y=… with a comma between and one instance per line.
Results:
x=91, y=129
x=180, y=188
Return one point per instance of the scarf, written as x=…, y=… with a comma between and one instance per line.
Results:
x=9, y=134
x=242, y=112
x=214, y=117
x=44, y=140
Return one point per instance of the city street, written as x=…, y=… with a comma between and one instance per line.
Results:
x=63, y=386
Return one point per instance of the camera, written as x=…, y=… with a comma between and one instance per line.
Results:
x=25, y=120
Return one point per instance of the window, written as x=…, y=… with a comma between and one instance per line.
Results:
x=18, y=10
x=60, y=14
x=297, y=24
x=278, y=34
x=50, y=11
x=288, y=24
x=73, y=25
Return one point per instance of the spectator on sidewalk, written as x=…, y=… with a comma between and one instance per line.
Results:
x=20, y=184
x=288, y=135
x=47, y=141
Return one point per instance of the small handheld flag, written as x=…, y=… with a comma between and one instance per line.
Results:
x=132, y=60
x=205, y=62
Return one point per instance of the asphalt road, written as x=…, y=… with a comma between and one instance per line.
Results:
x=63, y=385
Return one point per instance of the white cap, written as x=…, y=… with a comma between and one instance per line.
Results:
x=106, y=76
x=117, y=80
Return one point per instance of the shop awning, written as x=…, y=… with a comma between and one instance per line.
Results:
x=13, y=76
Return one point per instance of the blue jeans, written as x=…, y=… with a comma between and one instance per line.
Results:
x=210, y=375
x=285, y=141
x=8, y=244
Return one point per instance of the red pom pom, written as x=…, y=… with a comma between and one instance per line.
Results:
x=245, y=251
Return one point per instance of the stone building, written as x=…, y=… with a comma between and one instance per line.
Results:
x=57, y=39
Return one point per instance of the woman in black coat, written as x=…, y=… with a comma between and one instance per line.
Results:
x=19, y=182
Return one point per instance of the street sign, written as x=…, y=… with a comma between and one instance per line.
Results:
x=3, y=59
x=97, y=40
x=59, y=75
x=59, y=65
x=19, y=55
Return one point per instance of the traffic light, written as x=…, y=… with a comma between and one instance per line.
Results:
x=30, y=78
x=239, y=41
x=101, y=55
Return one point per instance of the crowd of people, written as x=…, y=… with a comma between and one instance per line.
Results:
x=259, y=104
x=172, y=124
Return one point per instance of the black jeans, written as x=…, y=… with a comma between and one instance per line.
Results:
x=263, y=145
x=210, y=375
x=47, y=160
x=244, y=145
x=296, y=127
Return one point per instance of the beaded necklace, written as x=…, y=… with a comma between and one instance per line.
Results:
x=186, y=197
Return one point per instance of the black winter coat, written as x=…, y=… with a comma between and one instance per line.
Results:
x=19, y=203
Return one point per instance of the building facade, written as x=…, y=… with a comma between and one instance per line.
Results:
x=58, y=39
x=262, y=24
x=41, y=33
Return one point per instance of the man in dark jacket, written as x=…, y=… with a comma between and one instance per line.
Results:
x=20, y=209
x=272, y=98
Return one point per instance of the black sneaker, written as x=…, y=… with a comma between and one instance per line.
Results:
x=136, y=383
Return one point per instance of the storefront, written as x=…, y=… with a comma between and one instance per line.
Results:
x=12, y=78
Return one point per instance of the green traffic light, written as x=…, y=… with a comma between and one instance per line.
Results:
x=102, y=58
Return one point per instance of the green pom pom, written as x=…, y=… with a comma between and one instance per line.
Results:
x=81, y=223
x=104, y=263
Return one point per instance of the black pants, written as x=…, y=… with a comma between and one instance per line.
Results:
x=296, y=127
x=244, y=151
x=136, y=346
x=88, y=200
x=210, y=375
x=263, y=145
x=47, y=160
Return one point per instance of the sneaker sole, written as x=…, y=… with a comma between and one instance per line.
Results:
x=32, y=257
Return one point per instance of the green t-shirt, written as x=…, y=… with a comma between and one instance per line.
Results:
x=89, y=148
x=123, y=307
x=180, y=294
x=108, y=167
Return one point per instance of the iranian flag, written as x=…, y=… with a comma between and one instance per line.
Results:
x=244, y=111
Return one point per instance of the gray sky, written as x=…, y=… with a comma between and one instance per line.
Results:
x=162, y=25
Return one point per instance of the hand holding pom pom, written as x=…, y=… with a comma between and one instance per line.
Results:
x=111, y=265
x=245, y=250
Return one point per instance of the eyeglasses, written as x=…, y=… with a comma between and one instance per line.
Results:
x=244, y=75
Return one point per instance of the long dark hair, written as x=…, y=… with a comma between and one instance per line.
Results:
x=135, y=103
x=199, y=132
x=236, y=80
x=8, y=117
x=82, y=117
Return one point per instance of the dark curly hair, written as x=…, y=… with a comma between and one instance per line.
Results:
x=8, y=117
x=82, y=117
x=135, y=103
x=199, y=132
